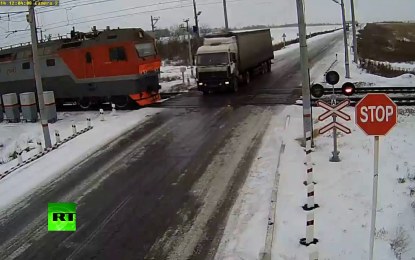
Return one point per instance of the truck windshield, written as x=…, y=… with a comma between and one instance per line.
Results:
x=213, y=59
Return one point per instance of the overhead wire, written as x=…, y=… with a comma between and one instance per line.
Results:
x=135, y=13
x=129, y=14
x=121, y=10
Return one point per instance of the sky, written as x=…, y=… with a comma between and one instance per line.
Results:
x=137, y=13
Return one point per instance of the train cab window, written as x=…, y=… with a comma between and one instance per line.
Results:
x=50, y=62
x=26, y=65
x=7, y=57
x=88, y=57
x=118, y=54
x=145, y=49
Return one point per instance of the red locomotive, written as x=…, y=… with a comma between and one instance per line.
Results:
x=119, y=65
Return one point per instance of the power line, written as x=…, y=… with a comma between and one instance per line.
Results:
x=142, y=12
x=121, y=10
x=68, y=7
x=135, y=13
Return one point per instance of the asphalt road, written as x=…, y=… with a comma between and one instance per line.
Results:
x=164, y=190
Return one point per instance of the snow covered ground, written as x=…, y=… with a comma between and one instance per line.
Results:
x=171, y=79
x=15, y=186
x=343, y=190
x=291, y=32
x=357, y=74
x=399, y=65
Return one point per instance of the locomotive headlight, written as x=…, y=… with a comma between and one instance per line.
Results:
x=226, y=82
x=200, y=84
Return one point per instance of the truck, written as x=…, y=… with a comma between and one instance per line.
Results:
x=227, y=60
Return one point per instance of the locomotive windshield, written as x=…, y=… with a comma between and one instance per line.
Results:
x=145, y=49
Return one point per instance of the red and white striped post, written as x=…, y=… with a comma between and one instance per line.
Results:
x=57, y=136
x=310, y=206
x=101, y=114
x=74, y=131
x=19, y=155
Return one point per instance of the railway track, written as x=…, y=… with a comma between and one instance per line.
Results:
x=402, y=96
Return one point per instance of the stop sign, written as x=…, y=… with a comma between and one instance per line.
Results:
x=376, y=114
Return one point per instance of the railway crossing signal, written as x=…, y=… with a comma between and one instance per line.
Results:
x=317, y=90
x=334, y=111
x=376, y=115
x=348, y=89
x=332, y=77
x=335, y=125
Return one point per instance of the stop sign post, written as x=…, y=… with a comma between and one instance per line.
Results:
x=376, y=115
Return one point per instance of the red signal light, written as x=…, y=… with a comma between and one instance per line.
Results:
x=348, y=89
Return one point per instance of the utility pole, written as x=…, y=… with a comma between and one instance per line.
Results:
x=190, y=43
x=304, y=69
x=154, y=21
x=346, y=49
x=38, y=78
x=309, y=240
x=356, y=60
x=226, y=16
x=196, y=19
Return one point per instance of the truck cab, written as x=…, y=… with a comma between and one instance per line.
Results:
x=217, y=67
x=226, y=59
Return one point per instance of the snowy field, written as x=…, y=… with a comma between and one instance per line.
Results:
x=291, y=32
x=343, y=190
x=171, y=79
x=399, y=65
x=357, y=74
x=15, y=186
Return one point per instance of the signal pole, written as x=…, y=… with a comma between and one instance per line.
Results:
x=190, y=43
x=304, y=69
x=226, y=16
x=154, y=21
x=38, y=77
x=354, y=32
x=196, y=19
x=346, y=49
